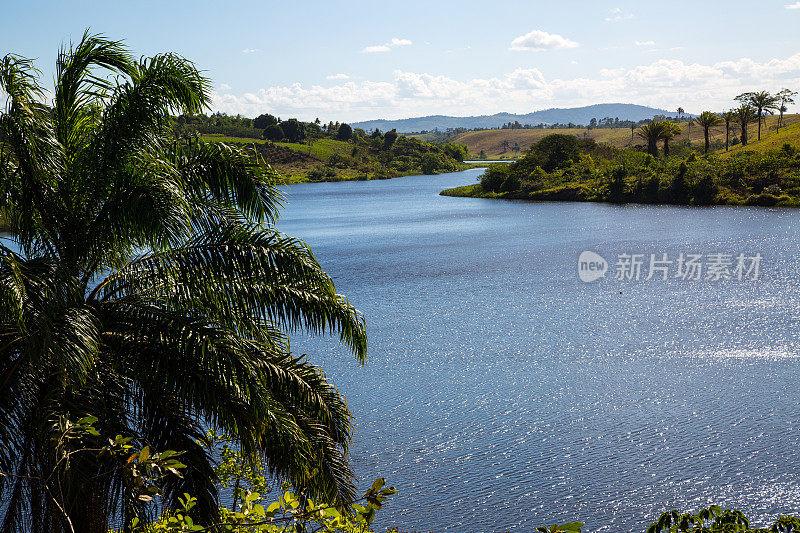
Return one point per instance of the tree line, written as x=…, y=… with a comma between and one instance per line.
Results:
x=753, y=108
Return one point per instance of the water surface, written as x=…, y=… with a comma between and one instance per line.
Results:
x=502, y=393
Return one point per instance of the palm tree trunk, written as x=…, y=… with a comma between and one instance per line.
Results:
x=666, y=147
x=744, y=134
x=705, y=133
x=727, y=136
x=759, y=124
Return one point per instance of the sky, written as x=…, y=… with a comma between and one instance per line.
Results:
x=358, y=60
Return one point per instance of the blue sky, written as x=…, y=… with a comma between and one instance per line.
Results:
x=359, y=60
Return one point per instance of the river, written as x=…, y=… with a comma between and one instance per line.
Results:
x=502, y=393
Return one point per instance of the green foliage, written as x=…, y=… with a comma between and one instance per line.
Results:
x=752, y=178
x=253, y=511
x=552, y=152
x=293, y=130
x=493, y=178
x=457, y=151
x=389, y=138
x=274, y=132
x=264, y=121
x=344, y=132
x=149, y=287
x=616, y=185
x=572, y=527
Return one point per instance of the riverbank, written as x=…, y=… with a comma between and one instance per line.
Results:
x=359, y=159
x=562, y=168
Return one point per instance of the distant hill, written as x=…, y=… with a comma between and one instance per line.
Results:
x=576, y=115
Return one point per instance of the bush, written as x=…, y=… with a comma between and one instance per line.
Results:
x=344, y=133
x=615, y=192
x=553, y=152
x=510, y=184
x=274, y=132
x=763, y=200
x=493, y=179
x=430, y=163
x=704, y=191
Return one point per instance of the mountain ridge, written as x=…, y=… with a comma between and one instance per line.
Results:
x=576, y=115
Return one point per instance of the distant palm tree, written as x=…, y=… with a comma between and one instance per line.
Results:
x=680, y=112
x=670, y=130
x=147, y=286
x=729, y=117
x=785, y=98
x=762, y=102
x=707, y=120
x=652, y=133
x=745, y=115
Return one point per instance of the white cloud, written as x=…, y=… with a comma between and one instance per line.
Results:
x=386, y=47
x=644, y=43
x=538, y=40
x=251, y=50
x=618, y=15
x=375, y=49
x=796, y=5
x=664, y=83
x=225, y=87
x=339, y=76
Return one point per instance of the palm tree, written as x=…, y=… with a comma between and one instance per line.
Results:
x=680, y=112
x=762, y=102
x=785, y=98
x=652, y=133
x=142, y=281
x=745, y=115
x=670, y=130
x=707, y=120
x=729, y=117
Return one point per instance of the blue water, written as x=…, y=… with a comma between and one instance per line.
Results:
x=502, y=393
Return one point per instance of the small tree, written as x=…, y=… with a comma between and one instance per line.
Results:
x=344, y=133
x=707, y=120
x=745, y=115
x=293, y=130
x=785, y=98
x=729, y=117
x=263, y=121
x=652, y=133
x=274, y=133
x=670, y=131
x=762, y=102
x=389, y=138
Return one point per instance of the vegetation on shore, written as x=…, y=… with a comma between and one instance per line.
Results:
x=566, y=168
x=310, y=151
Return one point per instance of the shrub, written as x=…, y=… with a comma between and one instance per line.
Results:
x=511, y=183
x=493, y=179
x=763, y=200
x=273, y=132
x=704, y=191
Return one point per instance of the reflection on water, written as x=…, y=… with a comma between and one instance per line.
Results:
x=501, y=393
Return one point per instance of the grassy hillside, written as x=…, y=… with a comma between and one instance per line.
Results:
x=491, y=141
x=328, y=159
x=771, y=140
